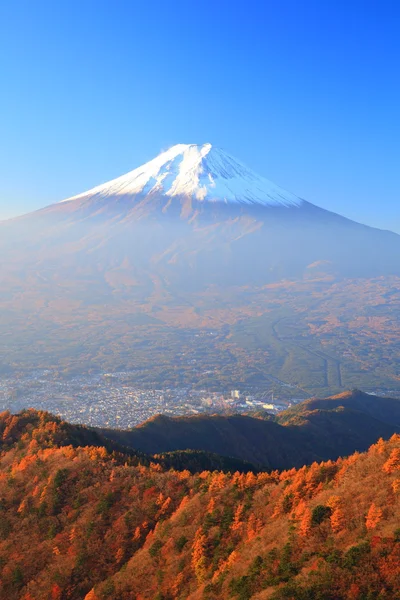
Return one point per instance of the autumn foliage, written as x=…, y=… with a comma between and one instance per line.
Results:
x=85, y=522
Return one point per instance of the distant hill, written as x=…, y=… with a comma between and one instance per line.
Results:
x=81, y=522
x=311, y=431
x=261, y=442
x=385, y=409
x=51, y=431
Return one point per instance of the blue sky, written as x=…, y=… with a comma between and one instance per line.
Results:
x=306, y=92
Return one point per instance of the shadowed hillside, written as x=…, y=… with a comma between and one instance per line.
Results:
x=48, y=430
x=311, y=431
x=385, y=409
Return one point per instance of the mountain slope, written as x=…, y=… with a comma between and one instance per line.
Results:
x=205, y=173
x=195, y=215
x=196, y=240
x=44, y=429
x=81, y=523
x=260, y=442
x=299, y=436
x=384, y=409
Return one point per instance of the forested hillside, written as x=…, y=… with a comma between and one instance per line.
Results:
x=314, y=430
x=94, y=523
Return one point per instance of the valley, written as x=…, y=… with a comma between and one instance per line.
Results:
x=292, y=339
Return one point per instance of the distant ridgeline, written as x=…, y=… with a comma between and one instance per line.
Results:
x=83, y=517
x=314, y=430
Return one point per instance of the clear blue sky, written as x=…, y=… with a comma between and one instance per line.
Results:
x=306, y=92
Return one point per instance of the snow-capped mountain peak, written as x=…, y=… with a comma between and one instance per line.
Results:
x=203, y=172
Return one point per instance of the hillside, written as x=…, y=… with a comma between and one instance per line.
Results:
x=47, y=430
x=311, y=431
x=52, y=431
x=384, y=409
x=81, y=523
x=258, y=441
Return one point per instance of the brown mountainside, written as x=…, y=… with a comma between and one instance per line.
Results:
x=83, y=523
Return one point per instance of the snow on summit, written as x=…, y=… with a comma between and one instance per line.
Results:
x=201, y=171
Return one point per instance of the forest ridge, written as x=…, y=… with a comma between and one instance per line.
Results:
x=83, y=521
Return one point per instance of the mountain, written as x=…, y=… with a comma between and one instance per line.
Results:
x=194, y=255
x=84, y=523
x=386, y=410
x=263, y=443
x=193, y=216
x=201, y=173
x=52, y=431
x=311, y=431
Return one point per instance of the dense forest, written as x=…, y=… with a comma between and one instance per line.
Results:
x=80, y=520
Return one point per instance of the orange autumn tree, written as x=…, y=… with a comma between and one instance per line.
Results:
x=373, y=517
x=254, y=526
x=396, y=486
x=305, y=523
x=338, y=520
x=393, y=462
x=299, y=509
x=56, y=592
x=177, y=584
x=238, y=518
x=211, y=505
x=224, y=565
x=91, y=595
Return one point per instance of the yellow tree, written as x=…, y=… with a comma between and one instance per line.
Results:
x=333, y=502
x=198, y=555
